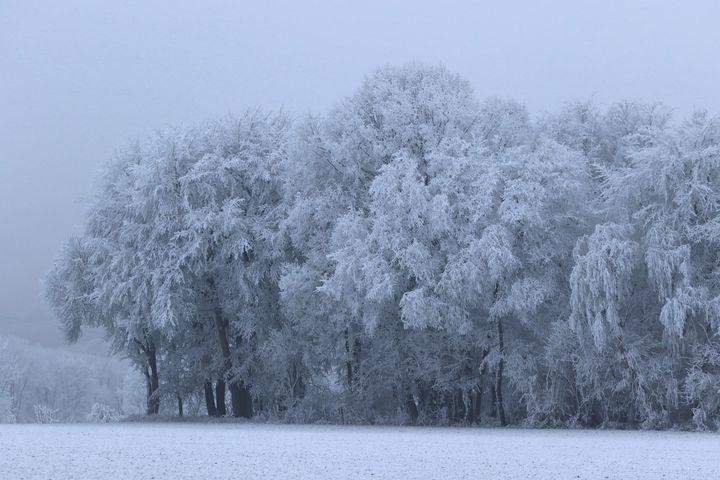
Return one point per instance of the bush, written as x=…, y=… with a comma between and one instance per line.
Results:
x=101, y=413
x=6, y=413
x=45, y=414
x=702, y=386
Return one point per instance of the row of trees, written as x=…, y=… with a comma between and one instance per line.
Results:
x=414, y=256
x=39, y=384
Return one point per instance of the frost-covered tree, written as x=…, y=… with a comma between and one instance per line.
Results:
x=67, y=382
x=399, y=116
x=507, y=270
x=181, y=235
x=9, y=376
x=413, y=255
x=643, y=285
x=103, y=278
x=214, y=193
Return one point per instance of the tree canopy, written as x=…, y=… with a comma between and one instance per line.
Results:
x=414, y=255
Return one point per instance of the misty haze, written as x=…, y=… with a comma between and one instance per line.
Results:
x=285, y=239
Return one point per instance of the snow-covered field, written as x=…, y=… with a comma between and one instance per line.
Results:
x=251, y=451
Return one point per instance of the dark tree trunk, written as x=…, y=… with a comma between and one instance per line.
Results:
x=499, y=375
x=410, y=406
x=239, y=393
x=348, y=360
x=459, y=406
x=298, y=385
x=220, y=398
x=150, y=371
x=357, y=350
x=473, y=411
x=480, y=391
x=240, y=398
x=209, y=399
x=154, y=399
x=408, y=385
x=148, y=390
x=180, y=406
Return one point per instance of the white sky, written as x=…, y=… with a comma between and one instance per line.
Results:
x=79, y=78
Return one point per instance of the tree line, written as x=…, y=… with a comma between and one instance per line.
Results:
x=47, y=385
x=414, y=255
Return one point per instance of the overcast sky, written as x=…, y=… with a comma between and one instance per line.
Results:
x=80, y=78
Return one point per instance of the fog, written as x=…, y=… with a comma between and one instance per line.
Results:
x=81, y=78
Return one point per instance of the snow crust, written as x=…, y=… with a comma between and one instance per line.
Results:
x=251, y=451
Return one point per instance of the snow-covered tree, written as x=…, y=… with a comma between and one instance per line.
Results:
x=9, y=376
x=644, y=284
x=102, y=278
x=413, y=255
x=400, y=117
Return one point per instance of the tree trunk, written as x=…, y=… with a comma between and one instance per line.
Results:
x=220, y=398
x=459, y=406
x=241, y=399
x=348, y=360
x=479, y=390
x=499, y=375
x=209, y=399
x=153, y=399
x=17, y=408
x=239, y=394
x=180, y=406
x=477, y=405
x=411, y=407
x=148, y=390
x=357, y=349
x=150, y=371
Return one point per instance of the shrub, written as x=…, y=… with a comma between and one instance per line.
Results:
x=45, y=414
x=101, y=413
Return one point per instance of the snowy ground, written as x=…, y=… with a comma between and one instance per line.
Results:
x=249, y=451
